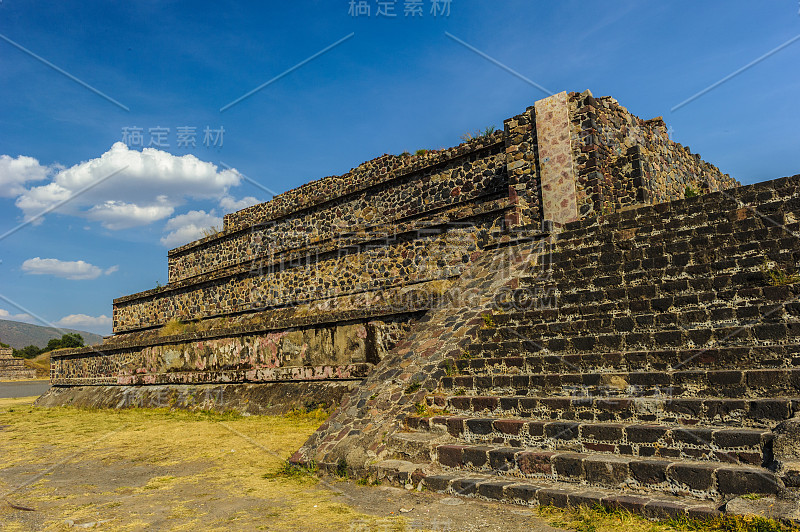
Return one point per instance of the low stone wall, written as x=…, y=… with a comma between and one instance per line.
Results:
x=391, y=261
x=255, y=399
x=13, y=368
x=337, y=351
x=461, y=179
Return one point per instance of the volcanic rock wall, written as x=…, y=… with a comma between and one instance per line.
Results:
x=321, y=282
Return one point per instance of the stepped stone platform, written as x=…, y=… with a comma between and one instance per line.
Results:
x=653, y=367
x=574, y=310
x=14, y=368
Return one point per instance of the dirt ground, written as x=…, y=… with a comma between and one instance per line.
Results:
x=64, y=468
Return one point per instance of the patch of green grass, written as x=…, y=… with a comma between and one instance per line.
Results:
x=777, y=276
x=488, y=322
x=293, y=471
x=420, y=152
x=413, y=387
x=691, y=192
x=601, y=519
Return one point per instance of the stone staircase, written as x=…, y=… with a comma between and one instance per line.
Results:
x=646, y=369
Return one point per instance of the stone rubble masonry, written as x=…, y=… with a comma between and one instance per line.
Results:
x=324, y=280
x=13, y=368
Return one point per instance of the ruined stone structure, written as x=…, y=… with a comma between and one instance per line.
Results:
x=541, y=315
x=13, y=368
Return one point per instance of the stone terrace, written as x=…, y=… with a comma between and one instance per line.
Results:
x=654, y=367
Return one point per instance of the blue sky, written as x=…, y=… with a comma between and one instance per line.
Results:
x=390, y=84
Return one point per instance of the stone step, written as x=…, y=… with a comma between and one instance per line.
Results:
x=677, y=248
x=687, y=337
x=705, y=479
x=647, y=323
x=760, y=413
x=542, y=492
x=534, y=492
x=721, y=302
x=745, y=357
x=784, y=382
x=705, y=443
x=651, y=226
x=625, y=314
x=735, y=264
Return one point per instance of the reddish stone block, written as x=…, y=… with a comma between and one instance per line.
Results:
x=535, y=463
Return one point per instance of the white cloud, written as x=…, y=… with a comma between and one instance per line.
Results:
x=6, y=315
x=74, y=270
x=188, y=227
x=100, y=324
x=15, y=172
x=148, y=187
x=229, y=204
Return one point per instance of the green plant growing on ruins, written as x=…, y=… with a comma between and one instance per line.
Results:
x=211, y=231
x=690, y=192
x=405, y=154
x=450, y=368
x=465, y=355
x=485, y=132
x=413, y=387
x=420, y=152
x=460, y=391
x=488, y=322
x=293, y=471
x=173, y=327
x=341, y=469
x=777, y=276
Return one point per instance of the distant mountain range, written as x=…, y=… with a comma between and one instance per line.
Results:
x=19, y=335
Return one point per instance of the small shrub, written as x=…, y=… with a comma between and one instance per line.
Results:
x=485, y=132
x=488, y=322
x=405, y=154
x=363, y=481
x=690, y=192
x=420, y=152
x=450, y=368
x=777, y=276
x=413, y=387
x=293, y=471
x=341, y=468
